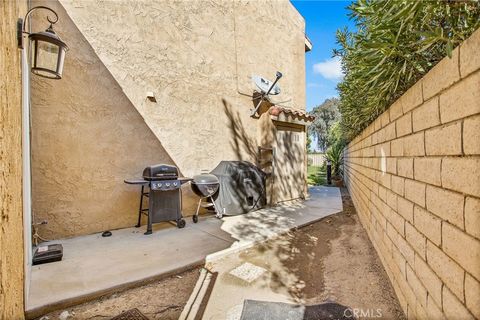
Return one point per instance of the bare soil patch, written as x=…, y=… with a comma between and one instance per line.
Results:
x=163, y=299
x=331, y=260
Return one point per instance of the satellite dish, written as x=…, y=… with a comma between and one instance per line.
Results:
x=265, y=85
x=267, y=88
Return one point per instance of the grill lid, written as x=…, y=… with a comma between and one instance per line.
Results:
x=160, y=172
x=205, y=178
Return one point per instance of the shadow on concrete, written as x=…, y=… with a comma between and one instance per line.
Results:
x=262, y=225
x=93, y=266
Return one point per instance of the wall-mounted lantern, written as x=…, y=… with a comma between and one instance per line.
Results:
x=48, y=50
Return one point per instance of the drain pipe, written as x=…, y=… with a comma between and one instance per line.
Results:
x=26, y=172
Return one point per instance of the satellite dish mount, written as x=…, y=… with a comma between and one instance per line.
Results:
x=267, y=88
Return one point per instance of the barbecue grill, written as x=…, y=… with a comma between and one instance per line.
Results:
x=163, y=194
x=205, y=186
x=242, y=187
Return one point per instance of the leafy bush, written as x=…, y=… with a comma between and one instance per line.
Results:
x=335, y=155
x=395, y=44
x=335, y=135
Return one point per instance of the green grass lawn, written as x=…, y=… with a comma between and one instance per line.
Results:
x=316, y=175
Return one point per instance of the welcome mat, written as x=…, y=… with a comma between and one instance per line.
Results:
x=132, y=314
x=264, y=310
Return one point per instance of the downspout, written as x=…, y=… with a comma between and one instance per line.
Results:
x=26, y=169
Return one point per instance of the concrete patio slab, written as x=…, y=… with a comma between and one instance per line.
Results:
x=93, y=265
x=332, y=261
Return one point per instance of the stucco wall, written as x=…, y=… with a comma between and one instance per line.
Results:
x=11, y=217
x=414, y=178
x=96, y=126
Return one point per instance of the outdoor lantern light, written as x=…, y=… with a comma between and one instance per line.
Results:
x=48, y=50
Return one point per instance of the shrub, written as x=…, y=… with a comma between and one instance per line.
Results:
x=395, y=44
x=335, y=135
x=335, y=155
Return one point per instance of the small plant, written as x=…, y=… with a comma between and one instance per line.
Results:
x=335, y=155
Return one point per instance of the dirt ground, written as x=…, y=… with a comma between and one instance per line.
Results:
x=351, y=271
x=330, y=260
x=163, y=299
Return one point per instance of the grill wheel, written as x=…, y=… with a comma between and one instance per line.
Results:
x=181, y=223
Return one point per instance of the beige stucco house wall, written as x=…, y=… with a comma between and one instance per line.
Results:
x=11, y=216
x=97, y=127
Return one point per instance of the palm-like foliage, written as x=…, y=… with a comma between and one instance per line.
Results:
x=396, y=43
x=335, y=155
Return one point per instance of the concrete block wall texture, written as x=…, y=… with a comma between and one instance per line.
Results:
x=96, y=126
x=11, y=216
x=414, y=176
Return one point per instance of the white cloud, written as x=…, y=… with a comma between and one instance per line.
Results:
x=314, y=85
x=330, y=69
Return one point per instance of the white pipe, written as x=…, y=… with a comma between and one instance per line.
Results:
x=26, y=176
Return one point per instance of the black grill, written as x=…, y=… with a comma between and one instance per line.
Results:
x=161, y=187
x=160, y=172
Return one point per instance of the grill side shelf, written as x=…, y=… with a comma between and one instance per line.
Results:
x=136, y=181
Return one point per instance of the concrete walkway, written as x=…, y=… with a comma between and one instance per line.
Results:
x=93, y=266
x=328, y=266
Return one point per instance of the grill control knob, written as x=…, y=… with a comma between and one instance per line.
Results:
x=175, y=184
x=167, y=184
x=159, y=185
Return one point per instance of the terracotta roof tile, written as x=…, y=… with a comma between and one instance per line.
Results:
x=276, y=110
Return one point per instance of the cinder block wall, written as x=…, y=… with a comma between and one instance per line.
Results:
x=414, y=176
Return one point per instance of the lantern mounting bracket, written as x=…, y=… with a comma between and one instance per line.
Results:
x=21, y=23
x=48, y=50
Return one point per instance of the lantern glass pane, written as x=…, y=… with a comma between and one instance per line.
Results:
x=45, y=58
x=61, y=60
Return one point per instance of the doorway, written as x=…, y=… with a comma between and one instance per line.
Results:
x=289, y=162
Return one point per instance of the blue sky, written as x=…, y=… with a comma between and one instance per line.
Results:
x=322, y=19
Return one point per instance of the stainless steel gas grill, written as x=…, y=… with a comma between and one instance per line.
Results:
x=161, y=186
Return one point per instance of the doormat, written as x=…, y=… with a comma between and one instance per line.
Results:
x=132, y=314
x=264, y=310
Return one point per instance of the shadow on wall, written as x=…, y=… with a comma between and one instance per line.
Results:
x=87, y=138
x=245, y=148
x=244, y=145
x=288, y=178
